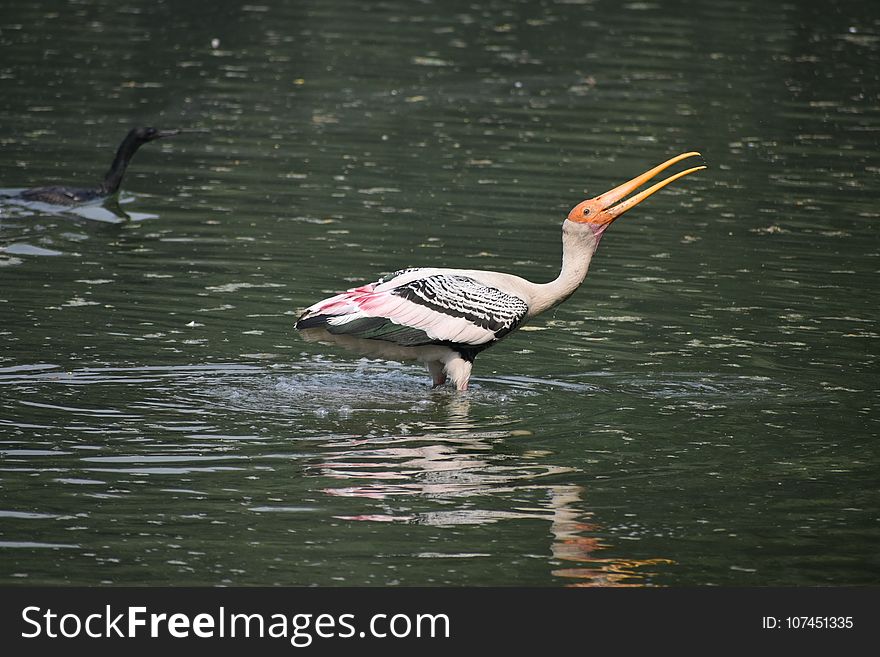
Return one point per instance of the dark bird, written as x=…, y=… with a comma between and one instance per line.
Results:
x=61, y=195
x=445, y=317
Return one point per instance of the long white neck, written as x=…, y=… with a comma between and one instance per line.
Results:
x=579, y=243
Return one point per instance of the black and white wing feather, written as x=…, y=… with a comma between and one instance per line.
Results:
x=411, y=309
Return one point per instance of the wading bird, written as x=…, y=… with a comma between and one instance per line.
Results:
x=445, y=317
x=59, y=195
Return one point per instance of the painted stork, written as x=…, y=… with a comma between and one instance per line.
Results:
x=70, y=196
x=445, y=317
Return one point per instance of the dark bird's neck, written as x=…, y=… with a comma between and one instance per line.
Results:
x=124, y=153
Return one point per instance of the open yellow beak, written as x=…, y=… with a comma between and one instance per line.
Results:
x=604, y=209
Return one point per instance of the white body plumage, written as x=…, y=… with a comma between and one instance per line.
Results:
x=444, y=317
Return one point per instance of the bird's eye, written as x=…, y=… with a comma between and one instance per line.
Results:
x=586, y=211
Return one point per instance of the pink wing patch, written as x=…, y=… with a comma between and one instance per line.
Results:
x=343, y=303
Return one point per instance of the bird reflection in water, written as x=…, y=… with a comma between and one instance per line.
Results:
x=456, y=460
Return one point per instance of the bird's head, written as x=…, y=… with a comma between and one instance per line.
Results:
x=598, y=213
x=143, y=135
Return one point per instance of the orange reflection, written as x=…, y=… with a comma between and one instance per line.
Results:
x=571, y=544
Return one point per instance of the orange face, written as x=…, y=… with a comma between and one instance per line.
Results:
x=601, y=211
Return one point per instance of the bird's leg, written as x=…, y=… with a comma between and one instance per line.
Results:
x=438, y=376
x=459, y=370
